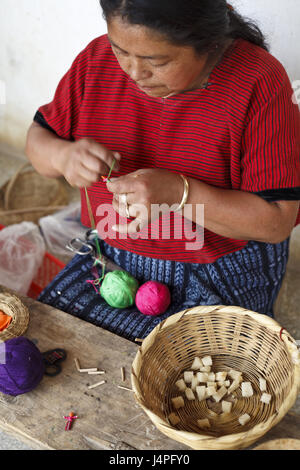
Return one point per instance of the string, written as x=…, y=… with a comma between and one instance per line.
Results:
x=93, y=226
x=96, y=283
x=99, y=258
x=106, y=179
x=90, y=211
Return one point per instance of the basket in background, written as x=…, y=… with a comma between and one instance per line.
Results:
x=29, y=196
x=235, y=338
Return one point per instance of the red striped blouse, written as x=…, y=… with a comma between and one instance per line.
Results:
x=240, y=132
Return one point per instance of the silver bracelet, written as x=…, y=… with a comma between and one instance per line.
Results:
x=185, y=194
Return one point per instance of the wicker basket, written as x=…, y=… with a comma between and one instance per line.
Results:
x=30, y=196
x=236, y=339
x=12, y=306
x=280, y=444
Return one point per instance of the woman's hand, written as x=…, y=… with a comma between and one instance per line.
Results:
x=145, y=191
x=83, y=162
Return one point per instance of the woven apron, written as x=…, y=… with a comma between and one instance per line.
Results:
x=250, y=278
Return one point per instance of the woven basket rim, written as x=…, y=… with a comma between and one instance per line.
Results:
x=259, y=429
x=282, y=443
x=20, y=321
x=264, y=320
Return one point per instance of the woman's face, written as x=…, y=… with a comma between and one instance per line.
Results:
x=158, y=67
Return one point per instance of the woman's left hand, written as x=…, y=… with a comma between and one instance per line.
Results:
x=144, y=195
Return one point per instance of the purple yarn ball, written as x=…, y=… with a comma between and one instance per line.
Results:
x=153, y=298
x=21, y=366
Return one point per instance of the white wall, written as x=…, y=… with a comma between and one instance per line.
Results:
x=40, y=38
x=280, y=21
x=39, y=41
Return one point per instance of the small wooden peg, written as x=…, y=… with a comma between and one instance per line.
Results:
x=97, y=385
x=125, y=388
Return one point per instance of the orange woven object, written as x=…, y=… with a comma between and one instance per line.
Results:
x=5, y=321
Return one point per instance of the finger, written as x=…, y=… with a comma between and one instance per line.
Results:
x=103, y=168
x=88, y=175
x=130, y=197
x=133, y=227
x=139, y=211
x=103, y=152
x=124, y=210
x=79, y=182
x=120, y=208
x=105, y=155
x=138, y=173
x=94, y=164
x=121, y=185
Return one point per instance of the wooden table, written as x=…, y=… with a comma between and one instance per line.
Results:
x=106, y=413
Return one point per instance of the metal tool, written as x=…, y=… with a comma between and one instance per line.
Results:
x=86, y=247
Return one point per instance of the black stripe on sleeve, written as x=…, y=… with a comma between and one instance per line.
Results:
x=286, y=194
x=39, y=118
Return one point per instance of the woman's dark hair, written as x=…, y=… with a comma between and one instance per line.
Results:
x=198, y=23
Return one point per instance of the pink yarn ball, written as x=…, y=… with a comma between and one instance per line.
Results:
x=153, y=298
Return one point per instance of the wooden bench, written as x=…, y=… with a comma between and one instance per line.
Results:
x=106, y=414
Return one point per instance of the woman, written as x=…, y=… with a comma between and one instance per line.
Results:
x=184, y=102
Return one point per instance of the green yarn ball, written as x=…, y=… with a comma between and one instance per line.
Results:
x=119, y=289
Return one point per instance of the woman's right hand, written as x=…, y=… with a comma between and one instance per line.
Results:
x=83, y=162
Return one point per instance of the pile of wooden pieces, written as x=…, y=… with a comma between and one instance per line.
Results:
x=95, y=371
x=200, y=383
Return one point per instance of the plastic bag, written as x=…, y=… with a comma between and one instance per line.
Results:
x=60, y=228
x=22, y=250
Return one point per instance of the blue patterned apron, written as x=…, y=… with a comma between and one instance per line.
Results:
x=250, y=278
